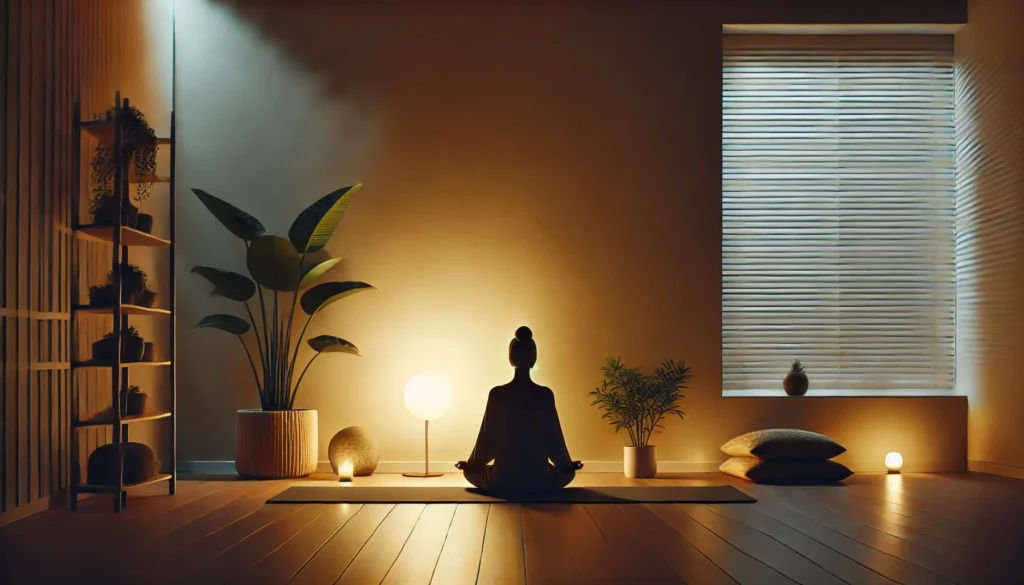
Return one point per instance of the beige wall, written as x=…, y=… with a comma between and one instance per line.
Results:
x=555, y=167
x=990, y=313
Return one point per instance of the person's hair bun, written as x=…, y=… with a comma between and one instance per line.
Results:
x=524, y=333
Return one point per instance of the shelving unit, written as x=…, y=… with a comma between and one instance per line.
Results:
x=121, y=240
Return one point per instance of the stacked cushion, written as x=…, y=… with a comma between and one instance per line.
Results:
x=784, y=456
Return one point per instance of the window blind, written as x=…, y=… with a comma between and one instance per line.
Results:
x=838, y=213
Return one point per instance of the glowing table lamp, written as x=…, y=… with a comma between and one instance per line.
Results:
x=893, y=462
x=428, y=396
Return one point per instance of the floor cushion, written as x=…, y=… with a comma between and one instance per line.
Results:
x=790, y=444
x=786, y=472
x=139, y=464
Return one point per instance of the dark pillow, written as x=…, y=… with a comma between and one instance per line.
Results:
x=775, y=444
x=140, y=464
x=785, y=472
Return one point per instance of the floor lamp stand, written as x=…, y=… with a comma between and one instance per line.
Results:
x=426, y=455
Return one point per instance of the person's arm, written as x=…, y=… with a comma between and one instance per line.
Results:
x=483, y=450
x=559, y=454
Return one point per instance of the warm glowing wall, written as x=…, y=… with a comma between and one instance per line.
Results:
x=990, y=231
x=558, y=167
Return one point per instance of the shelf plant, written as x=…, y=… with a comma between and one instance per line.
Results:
x=281, y=285
x=638, y=402
x=139, y=144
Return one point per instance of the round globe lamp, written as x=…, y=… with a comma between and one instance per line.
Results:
x=428, y=396
x=893, y=462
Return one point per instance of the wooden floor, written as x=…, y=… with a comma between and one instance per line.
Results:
x=915, y=529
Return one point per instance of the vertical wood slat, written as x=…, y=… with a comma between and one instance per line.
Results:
x=22, y=377
x=3, y=240
x=40, y=67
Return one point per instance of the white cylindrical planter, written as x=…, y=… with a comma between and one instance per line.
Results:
x=639, y=462
x=276, y=444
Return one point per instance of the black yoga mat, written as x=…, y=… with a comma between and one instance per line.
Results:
x=348, y=494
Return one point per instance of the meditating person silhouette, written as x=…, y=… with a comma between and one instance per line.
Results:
x=520, y=450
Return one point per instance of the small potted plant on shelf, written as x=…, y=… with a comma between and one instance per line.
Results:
x=102, y=295
x=132, y=347
x=796, y=381
x=638, y=402
x=134, y=290
x=134, y=284
x=139, y=144
x=133, y=402
x=279, y=441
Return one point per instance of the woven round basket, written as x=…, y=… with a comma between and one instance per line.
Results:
x=276, y=444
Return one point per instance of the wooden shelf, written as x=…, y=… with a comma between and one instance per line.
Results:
x=103, y=130
x=129, y=236
x=125, y=310
x=106, y=419
x=92, y=364
x=87, y=488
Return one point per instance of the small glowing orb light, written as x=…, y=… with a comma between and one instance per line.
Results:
x=428, y=395
x=345, y=471
x=893, y=462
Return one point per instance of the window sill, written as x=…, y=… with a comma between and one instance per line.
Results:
x=779, y=393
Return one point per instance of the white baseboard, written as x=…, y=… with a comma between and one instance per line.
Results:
x=228, y=467
x=995, y=469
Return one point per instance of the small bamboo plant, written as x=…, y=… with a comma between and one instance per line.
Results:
x=280, y=280
x=638, y=402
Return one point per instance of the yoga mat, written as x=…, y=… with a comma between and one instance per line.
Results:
x=348, y=494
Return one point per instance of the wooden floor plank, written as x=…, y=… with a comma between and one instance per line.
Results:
x=601, y=559
x=459, y=561
x=625, y=544
x=251, y=549
x=761, y=547
x=740, y=566
x=912, y=529
x=195, y=559
x=282, y=564
x=331, y=560
x=839, y=565
x=502, y=559
x=379, y=553
x=415, y=564
x=548, y=555
x=690, y=563
x=878, y=540
x=892, y=567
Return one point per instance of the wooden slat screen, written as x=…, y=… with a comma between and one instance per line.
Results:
x=54, y=54
x=838, y=212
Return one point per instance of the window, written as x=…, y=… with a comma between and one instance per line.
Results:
x=838, y=213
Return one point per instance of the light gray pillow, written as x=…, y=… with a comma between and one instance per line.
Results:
x=775, y=444
x=785, y=472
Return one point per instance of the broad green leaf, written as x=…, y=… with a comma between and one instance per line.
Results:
x=311, y=275
x=314, y=227
x=324, y=294
x=232, y=285
x=332, y=344
x=274, y=263
x=229, y=323
x=237, y=221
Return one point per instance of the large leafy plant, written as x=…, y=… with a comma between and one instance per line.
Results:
x=638, y=402
x=278, y=268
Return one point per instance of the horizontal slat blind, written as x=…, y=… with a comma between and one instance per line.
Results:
x=838, y=212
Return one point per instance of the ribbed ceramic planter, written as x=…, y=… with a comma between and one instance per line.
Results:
x=276, y=444
x=639, y=461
